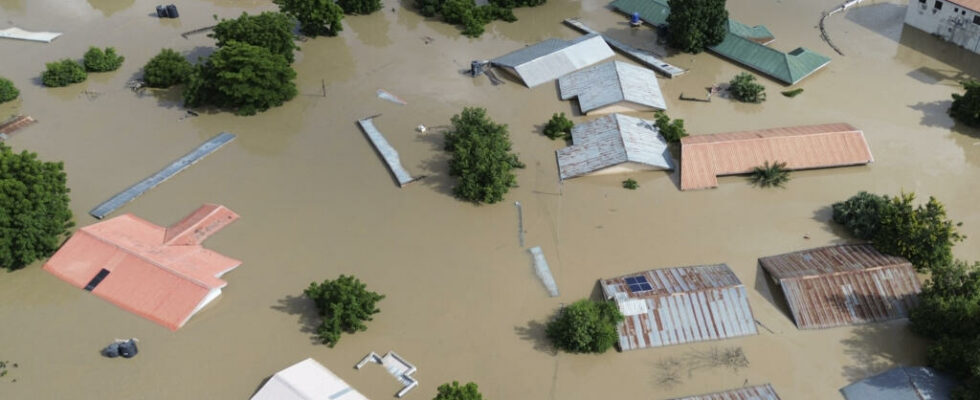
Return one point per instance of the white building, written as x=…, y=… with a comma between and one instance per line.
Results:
x=957, y=21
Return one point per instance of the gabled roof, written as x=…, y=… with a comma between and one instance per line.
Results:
x=761, y=392
x=843, y=285
x=307, y=380
x=705, y=157
x=612, y=140
x=610, y=83
x=654, y=12
x=162, y=274
x=552, y=58
x=680, y=305
x=902, y=383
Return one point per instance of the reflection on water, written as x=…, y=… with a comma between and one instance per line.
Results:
x=371, y=30
x=109, y=7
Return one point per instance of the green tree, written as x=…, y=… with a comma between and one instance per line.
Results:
x=362, y=7
x=630, y=184
x=672, y=131
x=344, y=304
x=316, y=17
x=586, y=326
x=455, y=392
x=468, y=16
x=744, y=88
x=770, y=175
x=63, y=73
x=861, y=213
x=243, y=78
x=7, y=90
x=271, y=30
x=966, y=106
x=96, y=60
x=558, y=127
x=166, y=69
x=34, y=212
x=481, y=158
x=694, y=25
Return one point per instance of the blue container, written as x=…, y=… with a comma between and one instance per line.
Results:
x=172, y=11
x=635, y=19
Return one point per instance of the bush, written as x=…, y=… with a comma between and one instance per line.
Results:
x=672, y=131
x=243, y=78
x=471, y=18
x=792, y=93
x=271, y=30
x=362, y=7
x=696, y=24
x=630, y=184
x=63, y=73
x=966, y=106
x=456, y=392
x=860, y=214
x=7, y=90
x=316, y=17
x=558, y=127
x=770, y=175
x=743, y=88
x=481, y=160
x=96, y=60
x=166, y=69
x=344, y=304
x=585, y=327
x=34, y=212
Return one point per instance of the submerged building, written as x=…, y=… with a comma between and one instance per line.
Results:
x=956, y=21
x=613, y=144
x=307, y=380
x=613, y=86
x=553, y=58
x=903, y=383
x=761, y=392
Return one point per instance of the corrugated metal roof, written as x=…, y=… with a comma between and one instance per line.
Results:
x=612, y=140
x=758, y=33
x=843, y=285
x=680, y=305
x=307, y=380
x=704, y=157
x=761, y=392
x=553, y=58
x=902, y=383
x=610, y=83
x=654, y=12
x=973, y=5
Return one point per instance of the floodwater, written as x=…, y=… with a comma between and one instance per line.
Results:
x=462, y=300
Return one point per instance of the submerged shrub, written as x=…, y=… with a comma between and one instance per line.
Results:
x=344, y=304
x=96, y=60
x=558, y=127
x=770, y=175
x=63, y=73
x=166, y=69
x=672, y=131
x=481, y=159
x=630, y=184
x=586, y=326
x=744, y=88
x=7, y=90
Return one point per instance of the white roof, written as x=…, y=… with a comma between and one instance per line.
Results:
x=553, y=58
x=610, y=83
x=612, y=140
x=307, y=380
x=17, y=33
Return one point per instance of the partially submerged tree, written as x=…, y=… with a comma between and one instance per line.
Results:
x=97, y=60
x=481, y=161
x=672, y=131
x=744, y=88
x=316, y=17
x=271, y=30
x=34, y=212
x=770, y=175
x=466, y=14
x=344, y=304
x=694, y=25
x=630, y=184
x=362, y=7
x=586, y=326
x=456, y=392
x=243, y=78
x=63, y=73
x=166, y=69
x=966, y=106
x=7, y=90
x=558, y=127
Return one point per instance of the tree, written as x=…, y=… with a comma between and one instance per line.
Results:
x=966, y=106
x=585, y=327
x=672, y=131
x=7, y=90
x=344, y=304
x=316, y=17
x=34, y=212
x=860, y=214
x=271, y=30
x=63, y=73
x=456, y=392
x=471, y=18
x=743, y=88
x=558, y=127
x=243, y=78
x=630, y=184
x=96, y=60
x=770, y=175
x=362, y=7
x=481, y=161
x=166, y=69
x=694, y=25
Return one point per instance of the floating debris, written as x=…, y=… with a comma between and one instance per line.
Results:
x=120, y=347
x=20, y=34
x=14, y=124
x=421, y=128
x=396, y=366
x=388, y=153
x=385, y=95
x=544, y=273
x=520, y=222
x=196, y=31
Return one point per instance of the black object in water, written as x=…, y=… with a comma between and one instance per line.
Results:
x=124, y=348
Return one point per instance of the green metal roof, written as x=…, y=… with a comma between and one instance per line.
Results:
x=756, y=33
x=653, y=12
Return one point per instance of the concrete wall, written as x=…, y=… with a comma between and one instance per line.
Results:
x=951, y=22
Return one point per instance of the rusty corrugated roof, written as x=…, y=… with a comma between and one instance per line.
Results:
x=680, y=305
x=843, y=285
x=761, y=392
x=705, y=157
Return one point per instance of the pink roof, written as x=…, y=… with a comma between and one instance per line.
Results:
x=162, y=274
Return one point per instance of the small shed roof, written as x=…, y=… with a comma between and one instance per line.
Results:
x=553, y=58
x=705, y=157
x=611, y=140
x=761, y=392
x=844, y=284
x=307, y=380
x=902, y=383
x=680, y=305
x=610, y=83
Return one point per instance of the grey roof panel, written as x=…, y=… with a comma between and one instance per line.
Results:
x=612, y=140
x=612, y=82
x=554, y=58
x=902, y=383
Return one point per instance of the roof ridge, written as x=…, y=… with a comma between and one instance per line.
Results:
x=855, y=130
x=192, y=279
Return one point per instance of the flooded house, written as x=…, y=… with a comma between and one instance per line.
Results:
x=307, y=380
x=613, y=86
x=956, y=21
x=761, y=392
x=614, y=144
x=548, y=60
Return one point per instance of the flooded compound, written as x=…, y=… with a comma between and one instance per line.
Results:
x=463, y=299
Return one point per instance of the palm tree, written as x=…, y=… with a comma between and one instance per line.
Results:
x=770, y=175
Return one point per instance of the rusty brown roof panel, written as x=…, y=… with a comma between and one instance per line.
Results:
x=827, y=260
x=761, y=392
x=705, y=157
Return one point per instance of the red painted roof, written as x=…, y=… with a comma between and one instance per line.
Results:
x=162, y=274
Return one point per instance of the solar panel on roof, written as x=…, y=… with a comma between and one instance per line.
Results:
x=638, y=284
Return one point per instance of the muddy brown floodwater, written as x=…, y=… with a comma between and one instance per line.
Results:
x=462, y=300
